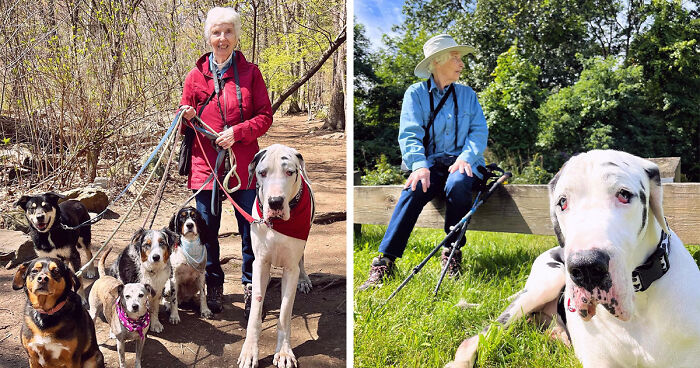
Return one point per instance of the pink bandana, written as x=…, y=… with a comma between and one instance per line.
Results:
x=133, y=325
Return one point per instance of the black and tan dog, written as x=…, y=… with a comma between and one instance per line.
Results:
x=146, y=260
x=57, y=330
x=188, y=261
x=46, y=218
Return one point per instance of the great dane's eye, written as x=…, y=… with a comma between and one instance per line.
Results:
x=263, y=173
x=563, y=204
x=290, y=172
x=624, y=196
x=127, y=296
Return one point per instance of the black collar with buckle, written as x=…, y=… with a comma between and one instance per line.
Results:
x=295, y=201
x=654, y=267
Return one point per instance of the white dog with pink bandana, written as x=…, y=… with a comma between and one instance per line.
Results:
x=621, y=286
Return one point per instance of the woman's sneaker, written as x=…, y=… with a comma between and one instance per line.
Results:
x=381, y=267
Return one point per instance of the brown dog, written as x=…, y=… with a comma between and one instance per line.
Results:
x=57, y=330
x=110, y=297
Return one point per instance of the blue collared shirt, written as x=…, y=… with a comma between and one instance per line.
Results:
x=472, y=131
x=224, y=68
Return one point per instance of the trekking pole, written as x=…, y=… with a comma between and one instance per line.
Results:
x=464, y=222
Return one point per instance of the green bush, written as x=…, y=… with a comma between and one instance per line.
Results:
x=383, y=174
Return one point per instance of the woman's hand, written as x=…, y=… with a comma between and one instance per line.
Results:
x=189, y=112
x=421, y=175
x=462, y=166
x=225, y=140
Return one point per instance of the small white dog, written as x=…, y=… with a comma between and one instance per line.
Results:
x=284, y=208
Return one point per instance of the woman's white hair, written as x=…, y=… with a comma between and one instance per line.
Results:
x=219, y=15
x=439, y=60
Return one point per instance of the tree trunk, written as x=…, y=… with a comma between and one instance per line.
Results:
x=295, y=86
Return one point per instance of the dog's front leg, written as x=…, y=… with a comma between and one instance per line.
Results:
x=174, y=304
x=284, y=357
x=156, y=326
x=139, y=350
x=204, y=310
x=121, y=350
x=249, y=352
x=304, y=284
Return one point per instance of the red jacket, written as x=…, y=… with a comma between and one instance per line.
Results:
x=257, y=114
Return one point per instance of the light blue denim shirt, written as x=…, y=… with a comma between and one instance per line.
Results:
x=472, y=131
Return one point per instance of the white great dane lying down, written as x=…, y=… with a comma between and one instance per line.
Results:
x=285, y=208
x=622, y=286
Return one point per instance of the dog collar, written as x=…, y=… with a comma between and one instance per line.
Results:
x=654, y=267
x=53, y=310
x=137, y=325
x=295, y=201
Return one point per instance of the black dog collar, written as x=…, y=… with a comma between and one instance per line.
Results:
x=654, y=267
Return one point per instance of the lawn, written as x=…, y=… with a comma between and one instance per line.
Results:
x=417, y=330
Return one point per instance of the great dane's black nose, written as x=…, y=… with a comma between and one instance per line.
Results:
x=589, y=269
x=275, y=203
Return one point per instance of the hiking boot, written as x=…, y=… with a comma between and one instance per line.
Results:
x=381, y=267
x=247, y=296
x=215, y=298
x=454, y=269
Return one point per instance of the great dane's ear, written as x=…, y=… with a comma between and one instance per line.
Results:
x=120, y=289
x=22, y=202
x=302, y=166
x=656, y=192
x=253, y=164
x=53, y=198
x=20, y=276
x=552, y=208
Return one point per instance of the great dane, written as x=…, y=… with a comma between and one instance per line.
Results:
x=622, y=287
x=284, y=210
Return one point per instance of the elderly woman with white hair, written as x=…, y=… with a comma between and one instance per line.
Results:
x=229, y=94
x=442, y=136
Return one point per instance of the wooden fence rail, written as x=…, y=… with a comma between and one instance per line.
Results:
x=522, y=209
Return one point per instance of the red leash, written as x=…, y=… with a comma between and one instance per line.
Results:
x=245, y=214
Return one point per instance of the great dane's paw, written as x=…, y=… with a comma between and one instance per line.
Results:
x=249, y=355
x=304, y=285
x=174, y=319
x=284, y=358
x=206, y=313
x=156, y=326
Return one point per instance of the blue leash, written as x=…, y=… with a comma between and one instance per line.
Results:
x=143, y=168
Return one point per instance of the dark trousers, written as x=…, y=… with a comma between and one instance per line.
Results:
x=214, y=274
x=457, y=189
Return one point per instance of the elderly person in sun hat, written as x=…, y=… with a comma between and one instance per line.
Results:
x=229, y=95
x=442, y=136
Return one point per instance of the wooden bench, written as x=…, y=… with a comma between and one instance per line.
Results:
x=521, y=209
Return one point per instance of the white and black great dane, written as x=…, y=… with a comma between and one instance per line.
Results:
x=621, y=286
x=284, y=210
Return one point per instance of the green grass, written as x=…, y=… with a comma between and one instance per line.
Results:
x=417, y=330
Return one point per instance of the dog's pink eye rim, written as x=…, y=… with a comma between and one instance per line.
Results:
x=563, y=204
x=623, y=196
x=290, y=172
x=263, y=173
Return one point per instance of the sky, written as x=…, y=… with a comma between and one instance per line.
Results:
x=378, y=16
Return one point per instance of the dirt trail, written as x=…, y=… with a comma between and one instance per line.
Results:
x=318, y=320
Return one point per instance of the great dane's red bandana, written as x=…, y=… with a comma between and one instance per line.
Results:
x=299, y=224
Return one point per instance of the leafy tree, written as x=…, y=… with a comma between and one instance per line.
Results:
x=510, y=103
x=606, y=109
x=669, y=54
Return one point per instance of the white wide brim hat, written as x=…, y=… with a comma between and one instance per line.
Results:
x=437, y=46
